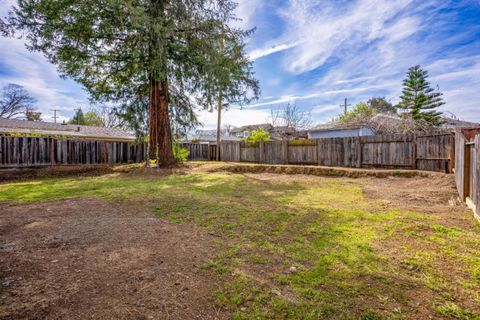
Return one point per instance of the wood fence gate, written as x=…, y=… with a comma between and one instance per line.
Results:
x=467, y=168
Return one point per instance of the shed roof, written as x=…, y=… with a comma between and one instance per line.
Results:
x=70, y=130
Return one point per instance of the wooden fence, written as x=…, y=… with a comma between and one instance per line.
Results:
x=433, y=152
x=467, y=169
x=43, y=151
x=200, y=151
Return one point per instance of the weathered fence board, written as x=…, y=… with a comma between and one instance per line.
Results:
x=467, y=169
x=249, y=154
x=230, y=151
x=302, y=154
x=44, y=151
x=476, y=175
x=432, y=152
x=460, y=164
x=275, y=152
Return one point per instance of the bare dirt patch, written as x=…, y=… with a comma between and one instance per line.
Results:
x=435, y=195
x=90, y=258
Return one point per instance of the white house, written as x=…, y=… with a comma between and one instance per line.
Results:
x=335, y=131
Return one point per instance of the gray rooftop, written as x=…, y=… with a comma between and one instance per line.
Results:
x=69, y=130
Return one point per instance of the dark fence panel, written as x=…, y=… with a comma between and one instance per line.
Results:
x=44, y=151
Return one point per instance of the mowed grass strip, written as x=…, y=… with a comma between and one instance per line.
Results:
x=303, y=247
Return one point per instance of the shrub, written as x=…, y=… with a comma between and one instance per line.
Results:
x=258, y=136
x=361, y=112
x=180, y=154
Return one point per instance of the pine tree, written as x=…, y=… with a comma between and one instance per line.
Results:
x=419, y=99
x=78, y=118
x=153, y=59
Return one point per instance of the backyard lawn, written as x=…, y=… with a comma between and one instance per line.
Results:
x=202, y=243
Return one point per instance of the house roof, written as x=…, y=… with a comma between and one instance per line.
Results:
x=334, y=126
x=456, y=123
x=210, y=138
x=69, y=130
x=263, y=126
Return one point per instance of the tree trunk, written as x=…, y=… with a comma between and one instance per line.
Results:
x=219, y=126
x=160, y=133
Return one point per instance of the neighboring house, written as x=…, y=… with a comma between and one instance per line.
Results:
x=24, y=127
x=378, y=124
x=276, y=133
x=245, y=131
x=336, y=131
x=451, y=123
x=208, y=139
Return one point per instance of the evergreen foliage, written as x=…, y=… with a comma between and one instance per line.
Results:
x=419, y=99
x=381, y=105
x=153, y=59
x=78, y=118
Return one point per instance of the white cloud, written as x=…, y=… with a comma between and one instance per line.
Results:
x=315, y=31
x=245, y=12
x=40, y=79
x=259, y=53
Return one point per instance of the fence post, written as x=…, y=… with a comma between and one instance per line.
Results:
x=466, y=171
x=52, y=152
x=261, y=147
x=238, y=150
x=359, y=152
x=318, y=152
x=414, y=152
x=285, y=151
x=451, y=153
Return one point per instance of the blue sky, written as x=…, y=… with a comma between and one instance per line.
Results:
x=315, y=54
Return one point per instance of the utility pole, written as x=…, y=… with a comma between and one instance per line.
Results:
x=54, y=115
x=344, y=106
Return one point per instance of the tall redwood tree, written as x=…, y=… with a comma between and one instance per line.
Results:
x=153, y=58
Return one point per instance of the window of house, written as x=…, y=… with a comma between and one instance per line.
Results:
x=246, y=133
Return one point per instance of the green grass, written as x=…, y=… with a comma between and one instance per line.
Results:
x=333, y=236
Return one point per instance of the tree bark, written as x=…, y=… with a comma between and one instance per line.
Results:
x=160, y=133
x=219, y=126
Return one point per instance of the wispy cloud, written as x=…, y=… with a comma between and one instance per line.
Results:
x=316, y=53
x=358, y=49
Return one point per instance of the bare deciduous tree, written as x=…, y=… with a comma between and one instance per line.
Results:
x=227, y=128
x=291, y=117
x=15, y=102
x=109, y=116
